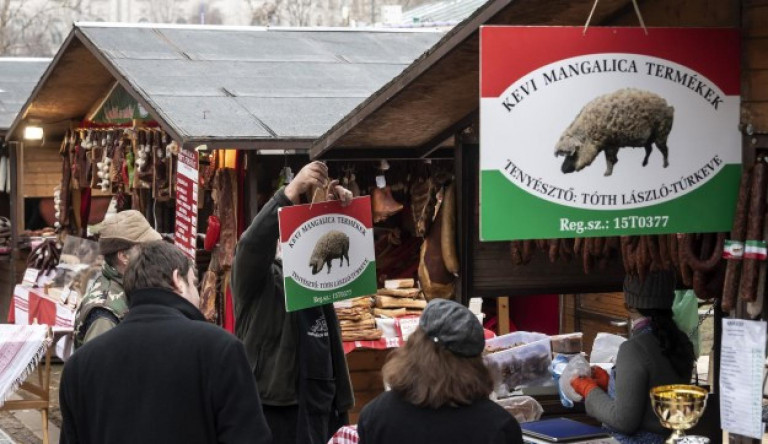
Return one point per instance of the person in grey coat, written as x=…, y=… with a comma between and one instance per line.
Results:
x=657, y=353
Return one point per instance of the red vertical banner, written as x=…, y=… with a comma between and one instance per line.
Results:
x=186, y=202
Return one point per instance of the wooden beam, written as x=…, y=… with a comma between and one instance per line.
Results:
x=301, y=146
x=502, y=311
x=434, y=144
x=466, y=163
x=399, y=153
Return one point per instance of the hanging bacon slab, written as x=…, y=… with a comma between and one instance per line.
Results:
x=225, y=202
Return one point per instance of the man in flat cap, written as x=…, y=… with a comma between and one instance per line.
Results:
x=104, y=304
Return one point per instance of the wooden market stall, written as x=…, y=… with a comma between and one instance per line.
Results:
x=432, y=110
x=245, y=101
x=18, y=76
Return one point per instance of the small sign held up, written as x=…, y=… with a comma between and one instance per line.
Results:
x=328, y=252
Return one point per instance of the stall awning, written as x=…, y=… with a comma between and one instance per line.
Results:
x=18, y=77
x=417, y=111
x=243, y=87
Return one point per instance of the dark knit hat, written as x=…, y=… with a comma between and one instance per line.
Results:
x=124, y=230
x=656, y=291
x=454, y=326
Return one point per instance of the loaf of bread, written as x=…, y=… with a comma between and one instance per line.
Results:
x=394, y=302
x=361, y=335
x=400, y=293
x=390, y=312
x=352, y=314
x=394, y=284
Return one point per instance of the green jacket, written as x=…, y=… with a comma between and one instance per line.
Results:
x=103, y=306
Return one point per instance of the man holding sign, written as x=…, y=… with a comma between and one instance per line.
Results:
x=297, y=358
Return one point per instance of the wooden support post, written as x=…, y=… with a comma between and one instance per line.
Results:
x=502, y=309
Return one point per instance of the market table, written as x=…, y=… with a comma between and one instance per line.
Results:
x=24, y=349
x=31, y=306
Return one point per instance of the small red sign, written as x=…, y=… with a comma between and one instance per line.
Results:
x=186, y=202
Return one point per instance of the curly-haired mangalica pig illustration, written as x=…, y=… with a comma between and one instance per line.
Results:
x=626, y=118
x=331, y=245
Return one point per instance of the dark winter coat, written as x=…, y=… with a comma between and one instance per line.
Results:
x=389, y=419
x=295, y=359
x=163, y=375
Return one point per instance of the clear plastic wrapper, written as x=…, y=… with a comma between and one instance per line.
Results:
x=80, y=263
x=606, y=348
x=526, y=363
x=523, y=408
x=578, y=366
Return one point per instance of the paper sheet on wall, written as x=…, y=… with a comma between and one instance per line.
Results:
x=741, y=377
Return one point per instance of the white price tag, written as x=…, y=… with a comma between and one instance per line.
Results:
x=30, y=277
x=381, y=181
x=64, y=296
x=407, y=326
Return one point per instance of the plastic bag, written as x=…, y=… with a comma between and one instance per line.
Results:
x=606, y=348
x=686, y=311
x=523, y=408
x=577, y=366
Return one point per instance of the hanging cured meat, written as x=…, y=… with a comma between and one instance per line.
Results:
x=161, y=183
x=208, y=291
x=448, y=232
x=436, y=281
x=423, y=202
x=384, y=205
x=225, y=201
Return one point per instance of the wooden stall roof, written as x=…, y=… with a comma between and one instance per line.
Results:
x=244, y=87
x=18, y=76
x=438, y=94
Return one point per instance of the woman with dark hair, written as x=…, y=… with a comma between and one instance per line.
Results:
x=657, y=353
x=439, y=387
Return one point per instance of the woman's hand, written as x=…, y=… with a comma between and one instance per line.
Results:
x=601, y=377
x=583, y=385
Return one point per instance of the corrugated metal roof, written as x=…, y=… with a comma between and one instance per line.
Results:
x=445, y=12
x=18, y=77
x=237, y=83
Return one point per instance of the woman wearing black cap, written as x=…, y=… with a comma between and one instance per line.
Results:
x=439, y=387
x=657, y=353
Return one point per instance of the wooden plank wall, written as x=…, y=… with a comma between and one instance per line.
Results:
x=755, y=66
x=592, y=313
x=40, y=170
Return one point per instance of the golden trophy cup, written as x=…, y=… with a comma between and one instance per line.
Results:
x=678, y=407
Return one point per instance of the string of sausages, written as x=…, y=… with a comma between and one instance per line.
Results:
x=741, y=276
x=695, y=257
x=44, y=257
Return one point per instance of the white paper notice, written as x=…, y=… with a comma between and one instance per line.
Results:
x=741, y=377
